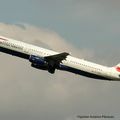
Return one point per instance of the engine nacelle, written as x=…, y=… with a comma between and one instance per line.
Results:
x=38, y=62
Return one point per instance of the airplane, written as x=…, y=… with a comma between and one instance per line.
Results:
x=49, y=60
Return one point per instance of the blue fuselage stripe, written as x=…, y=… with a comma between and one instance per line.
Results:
x=15, y=53
x=81, y=72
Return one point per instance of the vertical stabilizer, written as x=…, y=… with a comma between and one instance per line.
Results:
x=117, y=67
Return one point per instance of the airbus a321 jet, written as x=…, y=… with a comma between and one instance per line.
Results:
x=45, y=59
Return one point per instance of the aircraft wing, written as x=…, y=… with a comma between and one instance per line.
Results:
x=56, y=58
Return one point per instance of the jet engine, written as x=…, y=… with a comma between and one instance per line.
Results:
x=38, y=62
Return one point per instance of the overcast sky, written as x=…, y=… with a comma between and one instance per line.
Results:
x=87, y=29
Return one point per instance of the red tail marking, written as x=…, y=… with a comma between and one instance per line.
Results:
x=118, y=69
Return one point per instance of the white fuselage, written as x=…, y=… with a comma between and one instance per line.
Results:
x=72, y=64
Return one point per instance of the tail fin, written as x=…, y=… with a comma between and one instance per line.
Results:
x=117, y=67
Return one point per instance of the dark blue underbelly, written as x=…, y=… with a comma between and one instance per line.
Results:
x=83, y=73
